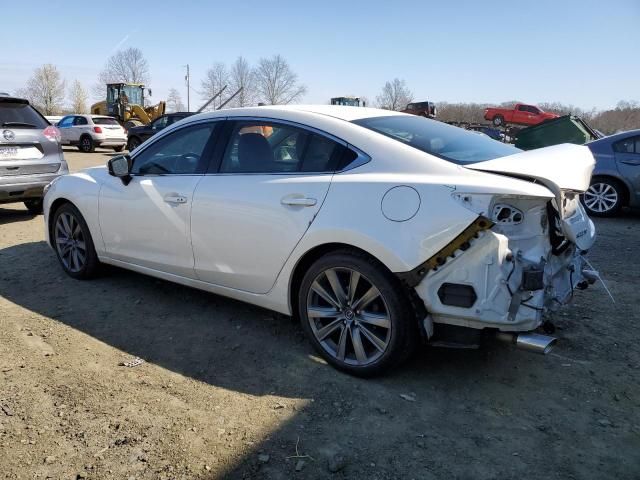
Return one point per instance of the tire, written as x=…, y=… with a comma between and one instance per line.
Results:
x=133, y=143
x=118, y=149
x=498, y=121
x=34, y=206
x=78, y=259
x=604, y=197
x=369, y=348
x=86, y=144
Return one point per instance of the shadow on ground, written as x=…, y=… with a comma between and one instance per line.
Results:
x=494, y=413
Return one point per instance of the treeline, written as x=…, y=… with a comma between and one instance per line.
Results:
x=625, y=116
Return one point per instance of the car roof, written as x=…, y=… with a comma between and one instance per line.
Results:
x=341, y=112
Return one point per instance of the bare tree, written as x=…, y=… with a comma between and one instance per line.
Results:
x=78, y=98
x=241, y=76
x=276, y=83
x=395, y=95
x=45, y=90
x=216, y=78
x=174, y=101
x=127, y=66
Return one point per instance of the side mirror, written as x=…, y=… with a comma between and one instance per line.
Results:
x=119, y=167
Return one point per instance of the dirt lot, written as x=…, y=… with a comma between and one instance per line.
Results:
x=229, y=391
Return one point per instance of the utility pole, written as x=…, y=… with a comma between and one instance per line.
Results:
x=187, y=78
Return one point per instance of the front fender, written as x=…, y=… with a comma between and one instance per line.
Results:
x=82, y=189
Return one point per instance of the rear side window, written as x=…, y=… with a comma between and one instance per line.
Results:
x=80, y=121
x=263, y=147
x=445, y=141
x=20, y=115
x=105, y=121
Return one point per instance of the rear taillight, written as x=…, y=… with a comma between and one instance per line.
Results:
x=52, y=134
x=97, y=129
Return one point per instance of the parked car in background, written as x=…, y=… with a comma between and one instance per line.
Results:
x=520, y=114
x=616, y=178
x=30, y=153
x=423, y=109
x=137, y=135
x=90, y=131
x=375, y=228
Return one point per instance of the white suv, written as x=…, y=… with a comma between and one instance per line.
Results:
x=90, y=131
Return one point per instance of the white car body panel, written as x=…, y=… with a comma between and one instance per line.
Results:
x=237, y=206
x=233, y=236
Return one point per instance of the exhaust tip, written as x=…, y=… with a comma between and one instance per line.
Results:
x=532, y=342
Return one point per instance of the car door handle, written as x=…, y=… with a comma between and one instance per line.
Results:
x=175, y=198
x=630, y=162
x=298, y=201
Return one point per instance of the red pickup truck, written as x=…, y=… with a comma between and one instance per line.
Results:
x=520, y=114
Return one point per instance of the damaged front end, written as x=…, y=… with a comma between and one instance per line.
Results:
x=519, y=259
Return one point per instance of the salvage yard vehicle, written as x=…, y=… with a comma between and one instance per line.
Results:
x=616, y=178
x=520, y=114
x=30, y=153
x=375, y=228
x=424, y=109
x=90, y=131
x=139, y=134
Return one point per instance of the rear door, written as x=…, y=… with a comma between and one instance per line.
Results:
x=80, y=126
x=521, y=114
x=627, y=154
x=249, y=214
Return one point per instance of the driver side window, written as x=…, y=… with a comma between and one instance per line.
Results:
x=182, y=152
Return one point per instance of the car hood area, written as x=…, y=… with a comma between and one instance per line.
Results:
x=559, y=167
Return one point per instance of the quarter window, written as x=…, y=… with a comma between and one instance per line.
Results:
x=260, y=147
x=181, y=152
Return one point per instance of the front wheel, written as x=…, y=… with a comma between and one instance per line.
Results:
x=603, y=198
x=73, y=243
x=356, y=313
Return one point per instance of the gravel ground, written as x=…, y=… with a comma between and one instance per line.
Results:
x=228, y=390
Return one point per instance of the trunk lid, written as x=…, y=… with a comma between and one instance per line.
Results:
x=560, y=167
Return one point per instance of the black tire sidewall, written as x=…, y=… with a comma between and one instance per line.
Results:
x=498, y=121
x=90, y=268
x=34, y=206
x=403, y=327
x=613, y=211
x=91, y=145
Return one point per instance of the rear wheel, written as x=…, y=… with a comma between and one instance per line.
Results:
x=86, y=144
x=73, y=243
x=498, y=120
x=356, y=313
x=34, y=206
x=604, y=197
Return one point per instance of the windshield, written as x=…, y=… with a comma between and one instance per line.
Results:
x=445, y=141
x=133, y=93
x=20, y=115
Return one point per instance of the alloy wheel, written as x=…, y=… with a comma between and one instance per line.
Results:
x=70, y=242
x=601, y=197
x=349, y=316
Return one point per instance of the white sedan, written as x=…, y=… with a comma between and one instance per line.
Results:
x=377, y=229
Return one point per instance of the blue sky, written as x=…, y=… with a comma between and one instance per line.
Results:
x=579, y=52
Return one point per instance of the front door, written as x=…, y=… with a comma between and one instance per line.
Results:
x=148, y=221
x=249, y=215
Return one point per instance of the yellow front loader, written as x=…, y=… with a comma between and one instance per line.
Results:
x=125, y=101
